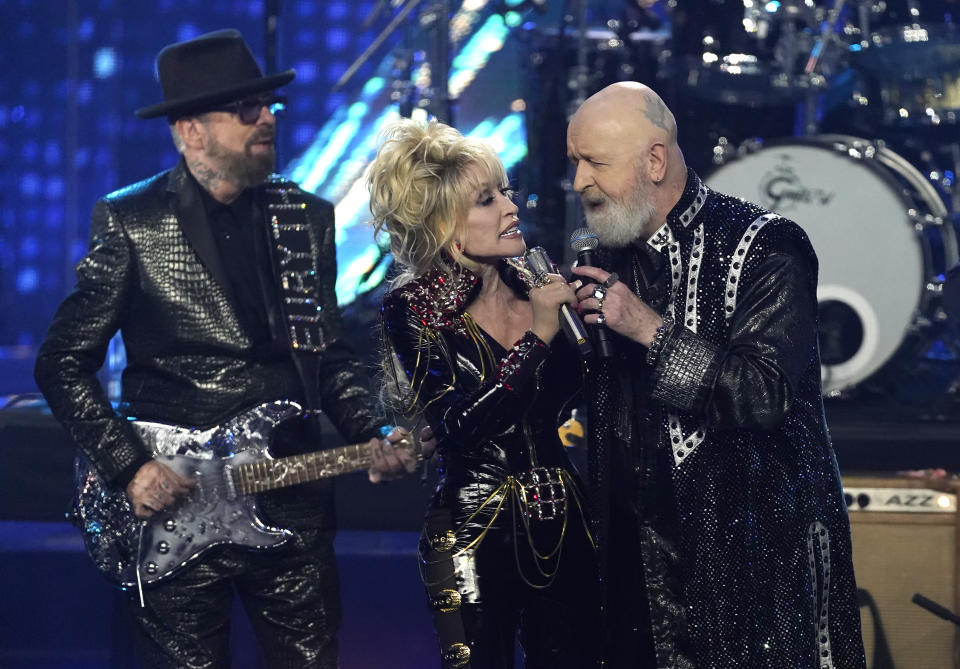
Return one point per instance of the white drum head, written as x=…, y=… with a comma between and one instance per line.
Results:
x=872, y=266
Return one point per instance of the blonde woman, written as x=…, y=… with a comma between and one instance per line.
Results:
x=472, y=338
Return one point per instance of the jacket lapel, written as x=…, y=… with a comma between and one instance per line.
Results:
x=193, y=221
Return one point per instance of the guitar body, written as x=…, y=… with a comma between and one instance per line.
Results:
x=214, y=513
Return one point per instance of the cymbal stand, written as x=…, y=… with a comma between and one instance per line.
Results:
x=864, y=8
x=828, y=28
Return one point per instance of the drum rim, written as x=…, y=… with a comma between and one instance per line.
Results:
x=919, y=331
x=833, y=141
x=871, y=53
x=933, y=28
x=767, y=86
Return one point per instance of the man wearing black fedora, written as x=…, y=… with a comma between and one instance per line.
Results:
x=187, y=266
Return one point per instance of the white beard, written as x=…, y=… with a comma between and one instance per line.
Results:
x=620, y=223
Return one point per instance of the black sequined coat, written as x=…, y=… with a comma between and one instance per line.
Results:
x=153, y=272
x=745, y=537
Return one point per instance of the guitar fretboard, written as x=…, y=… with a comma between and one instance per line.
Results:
x=271, y=474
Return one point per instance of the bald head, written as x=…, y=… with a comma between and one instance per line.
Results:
x=636, y=107
x=623, y=141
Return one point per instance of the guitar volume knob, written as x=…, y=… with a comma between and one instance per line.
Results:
x=151, y=568
x=163, y=547
x=169, y=525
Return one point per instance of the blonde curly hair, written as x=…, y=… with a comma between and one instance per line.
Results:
x=421, y=191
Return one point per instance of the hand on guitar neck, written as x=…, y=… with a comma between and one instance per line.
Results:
x=398, y=454
x=156, y=487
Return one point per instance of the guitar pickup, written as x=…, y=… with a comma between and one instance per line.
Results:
x=228, y=482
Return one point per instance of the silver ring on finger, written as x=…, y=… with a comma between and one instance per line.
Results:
x=600, y=294
x=540, y=280
x=612, y=279
x=601, y=319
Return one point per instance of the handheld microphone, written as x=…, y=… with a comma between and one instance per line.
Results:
x=584, y=242
x=570, y=322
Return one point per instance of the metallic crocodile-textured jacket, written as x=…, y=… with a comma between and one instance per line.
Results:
x=153, y=272
x=745, y=537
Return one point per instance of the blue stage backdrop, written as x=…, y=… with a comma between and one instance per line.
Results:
x=75, y=70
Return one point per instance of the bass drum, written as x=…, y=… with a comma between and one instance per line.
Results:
x=880, y=231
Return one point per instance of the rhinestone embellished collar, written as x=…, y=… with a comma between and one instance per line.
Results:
x=688, y=206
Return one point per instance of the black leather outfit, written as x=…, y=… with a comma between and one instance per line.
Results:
x=496, y=413
x=196, y=357
x=718, y=491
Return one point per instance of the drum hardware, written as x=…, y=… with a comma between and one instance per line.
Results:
x=826, y=44
x=781, y=53
x=879, y=229
x=950, y=181
x=911, y=60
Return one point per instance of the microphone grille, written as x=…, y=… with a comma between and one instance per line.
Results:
x=584, y=239
x=538, y=260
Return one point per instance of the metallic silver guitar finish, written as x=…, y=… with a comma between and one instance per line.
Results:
x=228, y=462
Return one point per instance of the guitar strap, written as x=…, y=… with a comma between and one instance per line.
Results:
x=294, y=256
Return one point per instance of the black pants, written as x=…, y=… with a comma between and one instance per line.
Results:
x=628, y=641
x=291, y=595
x=554, y=624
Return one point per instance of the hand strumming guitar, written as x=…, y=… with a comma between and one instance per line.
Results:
x=156, y=487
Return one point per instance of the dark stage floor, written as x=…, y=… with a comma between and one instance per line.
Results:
x=58, y=613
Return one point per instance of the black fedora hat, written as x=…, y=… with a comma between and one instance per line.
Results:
x=206, y=71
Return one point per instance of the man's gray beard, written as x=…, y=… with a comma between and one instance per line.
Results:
x=620, y=223
x=241, y=169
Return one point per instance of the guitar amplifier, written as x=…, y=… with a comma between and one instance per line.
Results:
x=905, y=541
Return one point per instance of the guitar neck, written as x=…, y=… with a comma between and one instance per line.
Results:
x=281, y=472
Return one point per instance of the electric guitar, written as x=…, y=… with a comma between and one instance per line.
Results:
x=229, y=463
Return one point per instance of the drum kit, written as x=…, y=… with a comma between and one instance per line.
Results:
x=868, y=78
x=867, y=93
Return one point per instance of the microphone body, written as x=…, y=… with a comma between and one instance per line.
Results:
x=585, y=242
x=570, y=322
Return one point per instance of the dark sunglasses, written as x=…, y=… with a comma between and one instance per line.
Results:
x=248, y=111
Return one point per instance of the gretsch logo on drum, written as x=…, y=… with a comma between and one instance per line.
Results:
x=782, y=190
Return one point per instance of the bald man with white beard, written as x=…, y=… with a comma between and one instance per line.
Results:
x=718, y=503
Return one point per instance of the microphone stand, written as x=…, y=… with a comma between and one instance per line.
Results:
x=935, y=609
x=408, y=7
x=437, y=21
